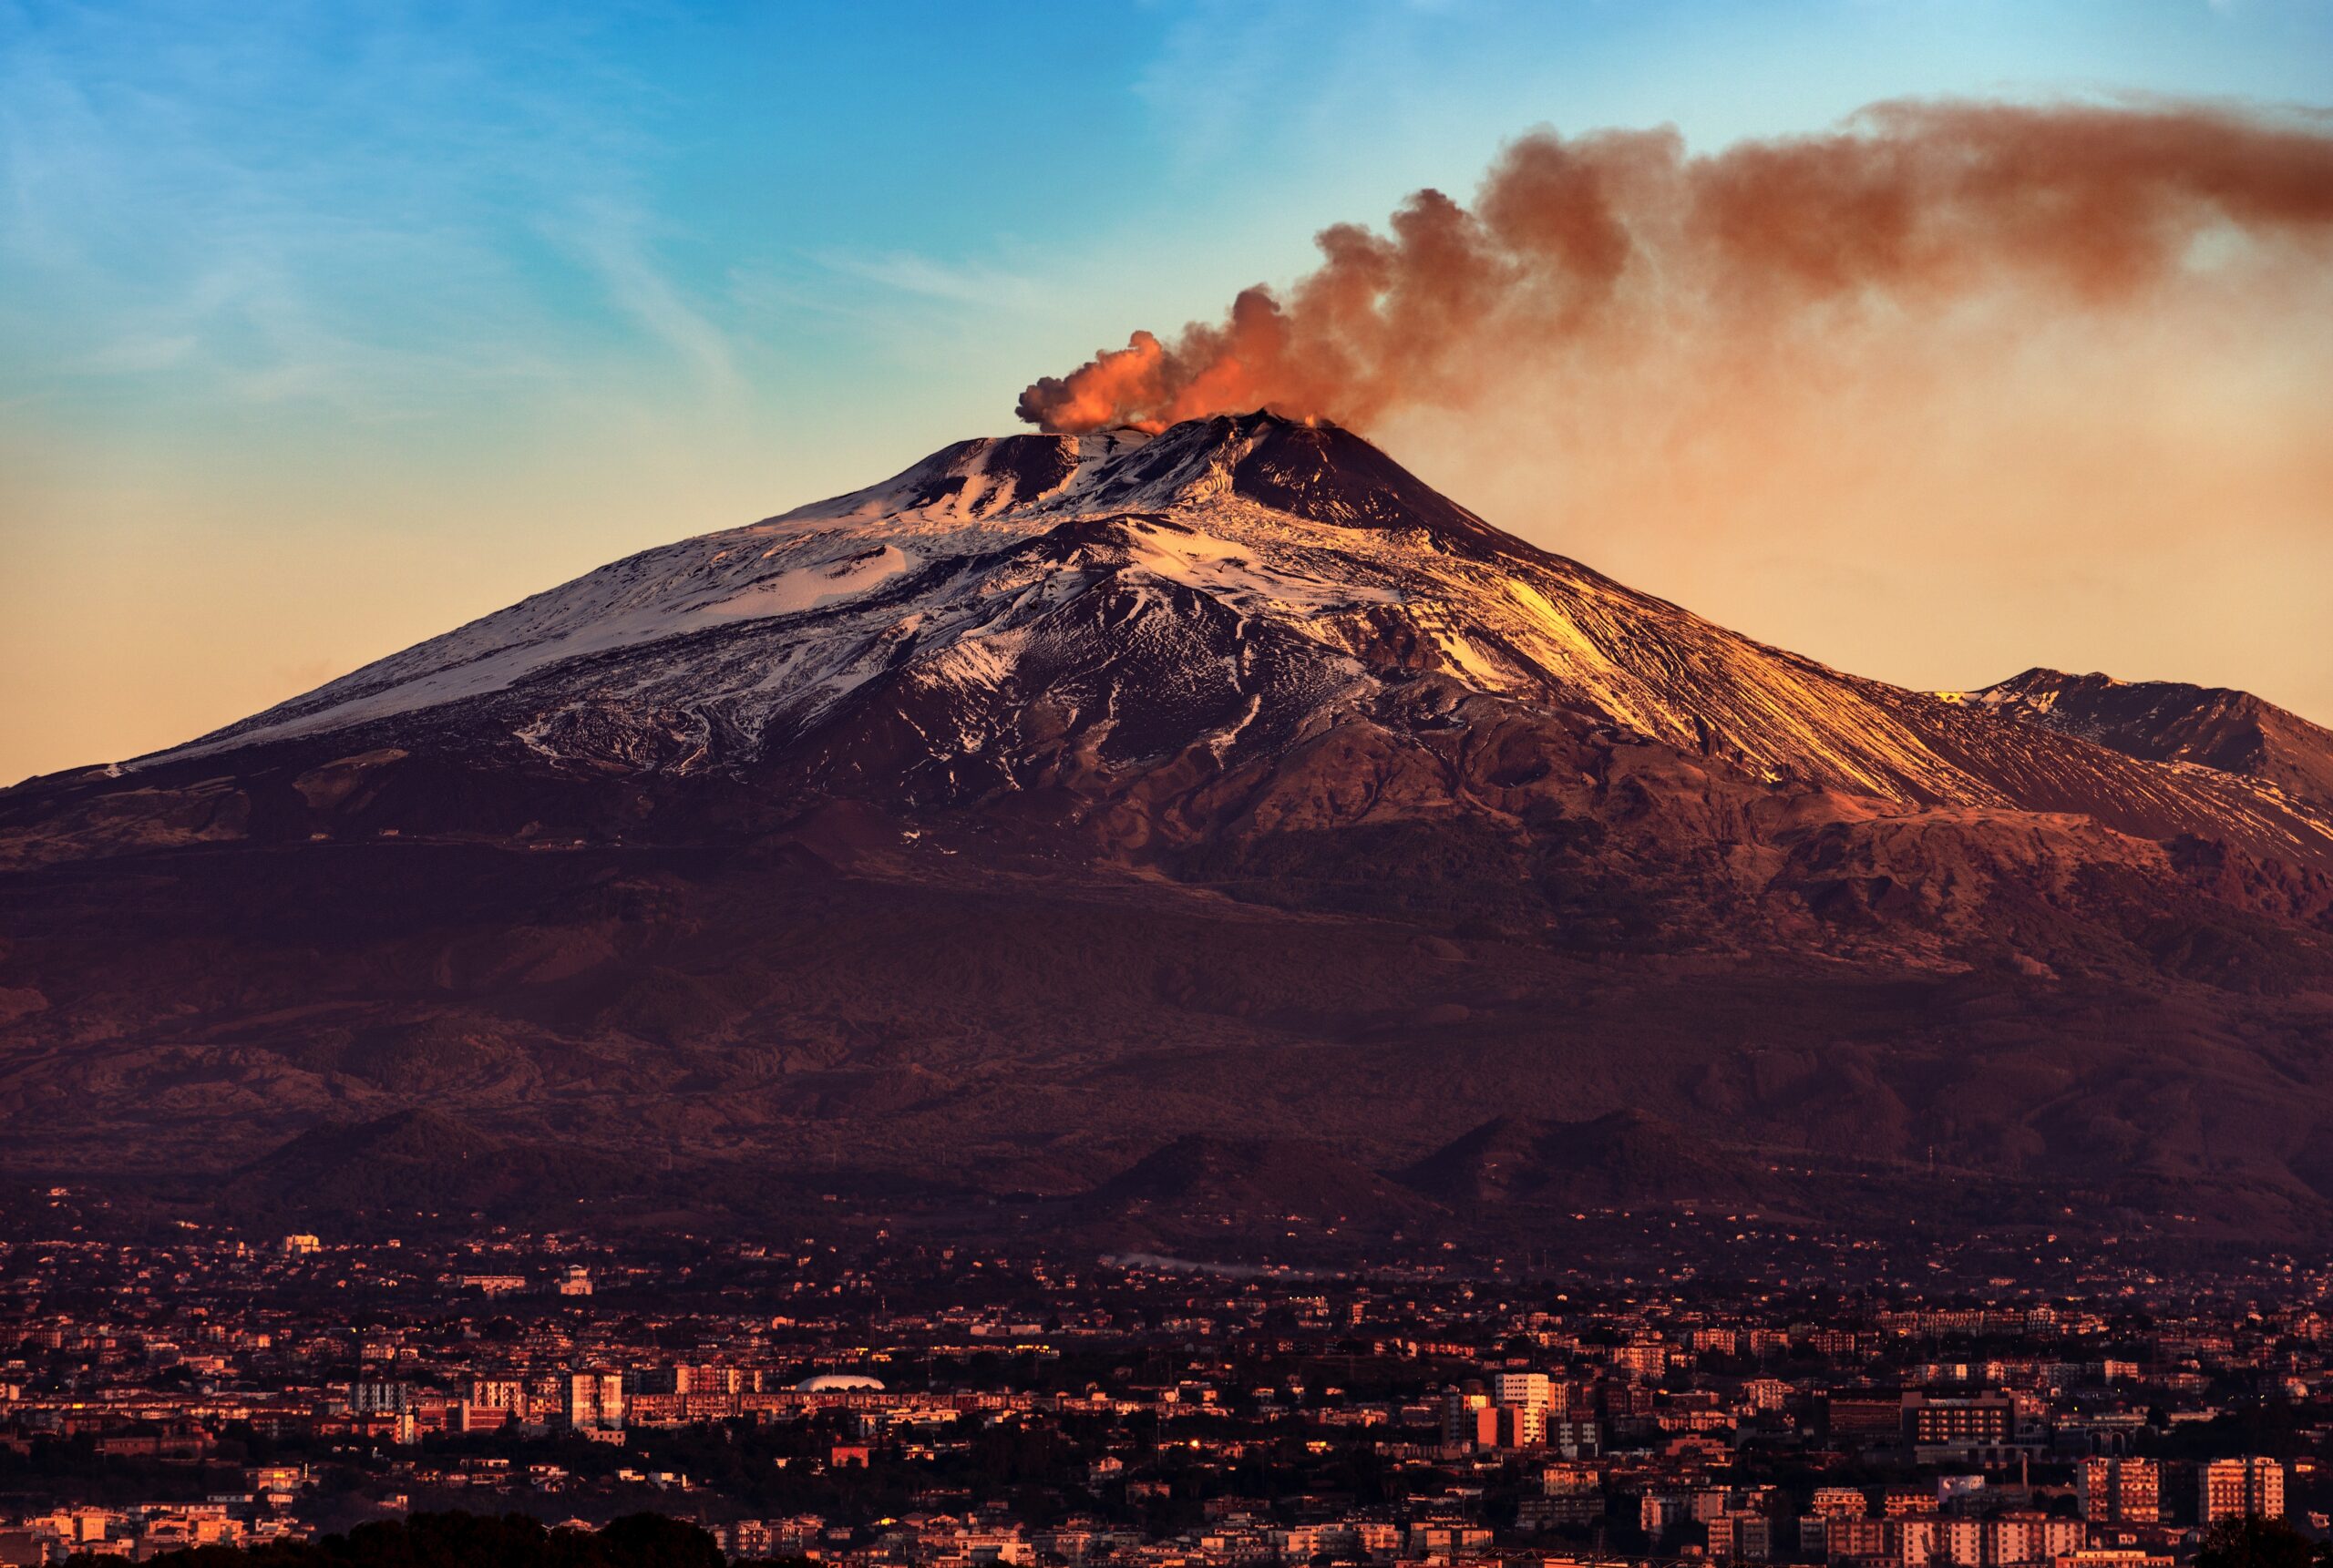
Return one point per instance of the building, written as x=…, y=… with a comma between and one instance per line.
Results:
x=2231, y=1488
x=1575, y=1438
x=1960, y=1427
x=499, y=1394
x=2119, y=1490
x=369, y=1399
x=1839, y=1502
x=1521, y=1427
x=1433, y=1540
x=595, y=1401
x=2015, y=1538
x=1857, y=1415
x=1523, y=1388
x=1851, y=1538
x=1641, y=1358
x=1741, y=1536
x=2111, y=1557
x=1469, y=1419
x=2006, y=1541
x=1570, y=1508
x=1662, y=1514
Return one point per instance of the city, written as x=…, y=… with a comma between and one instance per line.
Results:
x=863, y=1399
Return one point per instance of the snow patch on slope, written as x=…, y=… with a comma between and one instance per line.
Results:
x=810, y=588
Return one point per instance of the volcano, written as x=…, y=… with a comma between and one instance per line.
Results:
x=994, y=827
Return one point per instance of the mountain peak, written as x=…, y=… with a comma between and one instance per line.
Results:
x=1068, y=612
x=1321, y=472
x=2215, y=727
x=1311, y=470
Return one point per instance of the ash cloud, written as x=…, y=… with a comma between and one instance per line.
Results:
x=1590, y=252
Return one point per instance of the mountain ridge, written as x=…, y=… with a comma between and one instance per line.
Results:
x=2215, y=727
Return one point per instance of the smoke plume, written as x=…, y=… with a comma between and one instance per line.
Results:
x=1587, y=251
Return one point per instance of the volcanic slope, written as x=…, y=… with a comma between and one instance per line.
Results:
x=1244, y=581
x=1063, y=796
x=2173, y=721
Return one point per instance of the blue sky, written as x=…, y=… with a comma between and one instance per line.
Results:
x=323, y=327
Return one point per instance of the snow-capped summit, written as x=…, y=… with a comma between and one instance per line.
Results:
x=1041, y=608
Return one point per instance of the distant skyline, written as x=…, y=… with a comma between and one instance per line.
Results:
x=322, y=331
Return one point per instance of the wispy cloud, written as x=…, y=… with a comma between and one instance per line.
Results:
x=614, y=240
x=957, y=283
x=140, y=353
x=303, y=206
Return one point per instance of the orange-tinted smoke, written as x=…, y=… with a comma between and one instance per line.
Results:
x=1911, y=206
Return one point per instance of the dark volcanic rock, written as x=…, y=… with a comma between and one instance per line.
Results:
x=1625, y=1157
x=409, y=1161
x=1202, y=1181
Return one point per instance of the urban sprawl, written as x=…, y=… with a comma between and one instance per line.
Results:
x=1725, y=1391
